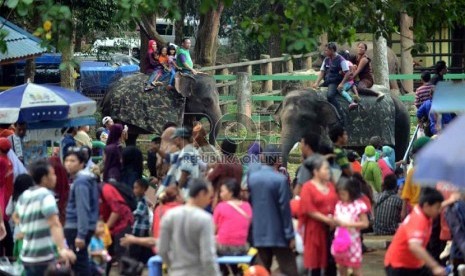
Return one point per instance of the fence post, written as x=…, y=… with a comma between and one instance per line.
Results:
x=224, y=90
x=308, y=63
x=267, y=86
x=244, y=99
x=308, y=66
x=289, y=63
x=247, y=68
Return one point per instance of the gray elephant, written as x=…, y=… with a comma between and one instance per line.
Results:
x=305, y=110
x=147, y=111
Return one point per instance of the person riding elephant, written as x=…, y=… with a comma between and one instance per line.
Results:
x=308, y=110
x=144, y=113
x=364, y=72
x=330, y=72
x=183, y=58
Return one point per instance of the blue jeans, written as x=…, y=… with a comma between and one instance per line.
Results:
x=172, y=74
x=332, y=94
x=35, y=270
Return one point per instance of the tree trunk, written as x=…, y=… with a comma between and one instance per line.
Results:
x=78, y=43
x=66, y=47
x=380, y=61
x=406, y=42
x=30, y=70
x=274, y=48
x=179, y=25
x=206, y=43
x=323, y=39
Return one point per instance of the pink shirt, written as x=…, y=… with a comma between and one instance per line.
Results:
x=232, y=226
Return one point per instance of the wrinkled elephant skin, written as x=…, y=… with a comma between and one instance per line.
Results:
x=147, y=111
x=308, y=111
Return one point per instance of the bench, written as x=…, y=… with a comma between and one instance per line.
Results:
x=155, y=263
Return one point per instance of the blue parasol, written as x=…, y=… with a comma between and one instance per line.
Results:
x=38, y=103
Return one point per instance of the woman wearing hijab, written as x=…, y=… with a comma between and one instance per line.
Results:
x=132, y=165
x=113, y=154
x=62, y=186
x=387, y=163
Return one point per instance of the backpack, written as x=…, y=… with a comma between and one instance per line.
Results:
x=126, y=193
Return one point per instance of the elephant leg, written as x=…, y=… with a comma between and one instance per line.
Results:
x=402, y=128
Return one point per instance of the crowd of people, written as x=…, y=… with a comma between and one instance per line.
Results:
x=62, y=213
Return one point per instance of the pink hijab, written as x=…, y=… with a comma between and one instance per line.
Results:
x=150, y=49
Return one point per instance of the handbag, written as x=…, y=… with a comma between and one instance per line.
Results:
x=342, y=241
x=239, y=210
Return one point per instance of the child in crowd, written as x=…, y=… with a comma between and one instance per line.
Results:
x=141, y=226
x=407, y=252
x=21, y=184
x=350, y=216
x=98, y=253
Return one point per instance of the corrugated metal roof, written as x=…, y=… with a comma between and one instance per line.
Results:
x=20, y=44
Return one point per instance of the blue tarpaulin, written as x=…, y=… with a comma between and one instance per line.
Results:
x=96, y=77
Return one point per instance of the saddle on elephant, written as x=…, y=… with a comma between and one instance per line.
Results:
x=373, y=116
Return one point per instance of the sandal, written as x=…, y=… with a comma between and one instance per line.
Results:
x=157, y=83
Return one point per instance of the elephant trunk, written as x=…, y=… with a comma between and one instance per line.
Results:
x=215, y=124
x=289, y=136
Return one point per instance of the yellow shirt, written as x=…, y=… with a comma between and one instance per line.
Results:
x=411, y=191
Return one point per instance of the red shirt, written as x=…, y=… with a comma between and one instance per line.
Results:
x=159, y=212
x=6, y=183
x=112, y=201
x=416, y=227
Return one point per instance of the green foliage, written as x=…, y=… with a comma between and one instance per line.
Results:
x=304, y=21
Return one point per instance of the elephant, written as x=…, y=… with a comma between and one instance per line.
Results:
x=305, y=110
x=146, y=112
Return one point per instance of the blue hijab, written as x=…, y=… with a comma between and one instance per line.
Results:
x=389, y=156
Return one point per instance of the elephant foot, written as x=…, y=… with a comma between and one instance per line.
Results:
x=380, y=97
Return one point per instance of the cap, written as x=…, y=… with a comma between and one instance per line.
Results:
x=106, y=119
x=5, y=144
x=420, y=143
x=181, y=132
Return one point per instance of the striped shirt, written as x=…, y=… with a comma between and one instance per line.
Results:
x=34, y=207
x=387, y=213
x=423, y=93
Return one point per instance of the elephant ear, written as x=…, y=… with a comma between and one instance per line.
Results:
x=328, y=113
x=186, y=85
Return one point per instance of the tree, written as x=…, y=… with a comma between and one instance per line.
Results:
x=206, y=44
x=304, y=21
